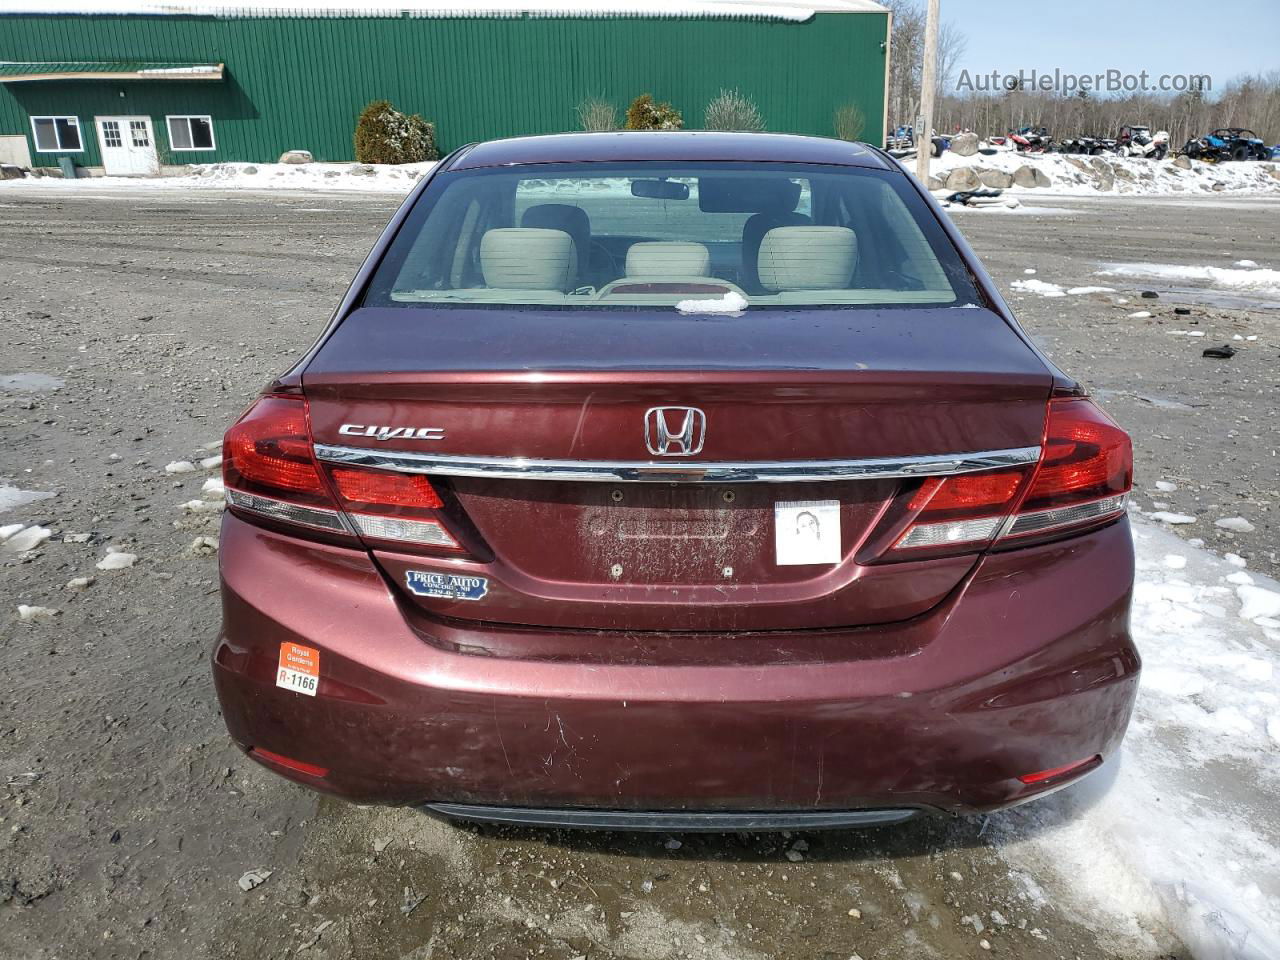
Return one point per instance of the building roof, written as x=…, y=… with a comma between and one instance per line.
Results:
x=672, y=146
x=23, y=71
x=794, y=10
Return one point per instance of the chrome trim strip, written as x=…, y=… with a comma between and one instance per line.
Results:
x=772, y=471
x=1043, y=520
x=676, y=821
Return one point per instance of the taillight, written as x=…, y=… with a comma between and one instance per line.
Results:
x=269, y=471
x=1082, y=479
x=1085, y=472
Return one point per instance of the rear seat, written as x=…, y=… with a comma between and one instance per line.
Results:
x=659, y=260
x=807, y=258
x=539, y=263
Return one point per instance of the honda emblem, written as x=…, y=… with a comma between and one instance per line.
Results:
x=674, y=431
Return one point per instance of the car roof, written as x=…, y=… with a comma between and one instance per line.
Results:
x=676, y=145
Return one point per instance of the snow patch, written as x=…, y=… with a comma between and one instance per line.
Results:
x=12, y=497
x=1265, y=281
x=731, y=304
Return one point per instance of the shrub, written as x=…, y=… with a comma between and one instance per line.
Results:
x=645, y=114
x=596, y=113
x=848, y=122
x=732, y=110
x=385, y=135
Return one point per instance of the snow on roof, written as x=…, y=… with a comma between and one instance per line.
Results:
x=793, y=10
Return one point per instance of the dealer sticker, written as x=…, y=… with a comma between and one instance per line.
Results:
x=299, y=669
x=446, y=586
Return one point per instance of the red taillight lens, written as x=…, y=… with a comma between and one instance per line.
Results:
x=267, y=453
x=1086, y=457
x=1084, y=474
x=370, y=489
x=269, y=471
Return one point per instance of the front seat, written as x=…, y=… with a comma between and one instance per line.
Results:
x=570, y=219
x=753, y=232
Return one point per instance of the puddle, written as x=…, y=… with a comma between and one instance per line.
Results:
x=11, y=497
x=26, y=382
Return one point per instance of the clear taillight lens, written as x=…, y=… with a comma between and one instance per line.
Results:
x=269, y=472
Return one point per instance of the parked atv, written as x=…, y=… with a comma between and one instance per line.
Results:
x=1227, y=143
x=1139, y=141
x=1031, y=140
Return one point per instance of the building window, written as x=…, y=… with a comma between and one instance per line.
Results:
x=111, y=134
x=57, y=134
x=190, y=133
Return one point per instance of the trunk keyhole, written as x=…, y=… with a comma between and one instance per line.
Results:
x=728, y=496
x=616, y=495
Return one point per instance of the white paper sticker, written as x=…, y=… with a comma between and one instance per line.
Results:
x=807, y=531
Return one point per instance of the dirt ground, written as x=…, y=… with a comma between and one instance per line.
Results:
x=126, y=816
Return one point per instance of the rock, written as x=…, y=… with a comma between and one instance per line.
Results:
x=936, y=183
x=381, y=843
x=76, y=537
x=855, y=913
x=296, y=156
x=1182, y=161
x=117, y=560
x=964, y=144
x=363, y=170
x=1122, y=172
x=996, y=179
x=1234, y=524
x=27, y=539
x=27, y=614
x=253, y=878
x=1150, y=295
x=9, y=171
x=204, y=546
x=180, y=466
x=249, y=170
x=673, y=844
x=1029, y=176
x=202, y=506
x=80, y=583
x=963, y=178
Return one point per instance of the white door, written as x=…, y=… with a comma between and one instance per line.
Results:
x=128, y=146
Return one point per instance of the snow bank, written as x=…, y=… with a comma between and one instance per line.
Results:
x=1181, y=831
x=1083, y=175
x=373, y=178
x=1233, y=278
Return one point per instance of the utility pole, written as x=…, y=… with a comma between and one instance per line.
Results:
x=928, y=83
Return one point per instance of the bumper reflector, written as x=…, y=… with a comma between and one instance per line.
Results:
x=1053, y=773
x=397, y=528
x=315, y=517
x=279, y=760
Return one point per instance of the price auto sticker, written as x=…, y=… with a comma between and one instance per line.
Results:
x=299, y=669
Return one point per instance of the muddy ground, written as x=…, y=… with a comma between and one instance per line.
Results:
x=127, y=818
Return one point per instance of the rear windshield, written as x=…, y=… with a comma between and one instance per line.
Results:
x=607, y=235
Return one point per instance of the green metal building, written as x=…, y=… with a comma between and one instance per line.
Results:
x=172, y=83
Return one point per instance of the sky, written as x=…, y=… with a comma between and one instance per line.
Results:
x=1222, y=38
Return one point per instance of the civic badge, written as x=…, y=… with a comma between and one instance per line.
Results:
x=674, y=431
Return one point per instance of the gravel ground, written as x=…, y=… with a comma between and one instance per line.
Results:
x=126, y=817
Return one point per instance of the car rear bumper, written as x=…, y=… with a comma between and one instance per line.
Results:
x=1027, y=666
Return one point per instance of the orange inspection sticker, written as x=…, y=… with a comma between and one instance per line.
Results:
x=299, y=669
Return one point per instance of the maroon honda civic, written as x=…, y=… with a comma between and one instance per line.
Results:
x=680, y=481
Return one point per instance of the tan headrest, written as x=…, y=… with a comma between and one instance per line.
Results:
x=662, y=261
x=808, y=258
x=528, y=258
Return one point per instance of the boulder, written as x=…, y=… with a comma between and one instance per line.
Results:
x=1183, y=161
x=936, y=183
x=1029, y=176
x=996, y=179
x=963, y=178
x=363, y=170
x=296, y=156
x=9, y=171
x=964, y=144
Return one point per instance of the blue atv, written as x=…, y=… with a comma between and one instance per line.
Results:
x=1228, y=143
